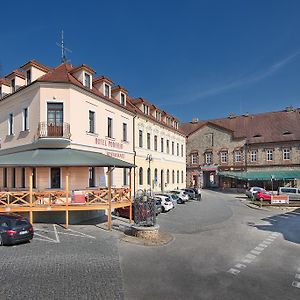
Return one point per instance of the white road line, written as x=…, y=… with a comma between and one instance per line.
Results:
x=56, y=234
x=92, y=237
x=263, y=245
x=233, y=271
x=267, y=242
x=255, y=252
x=296, y=284
x=240, y=266
x=250, y=256
x=247, y=261
x=259, y=249
x=297, y=276
x=35, y=238
x=45, y=237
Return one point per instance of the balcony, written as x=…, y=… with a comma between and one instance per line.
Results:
x=50, y=130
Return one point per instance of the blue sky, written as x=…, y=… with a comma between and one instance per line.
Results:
x=201, y=59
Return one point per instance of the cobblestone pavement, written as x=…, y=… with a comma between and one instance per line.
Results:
x=81, y=263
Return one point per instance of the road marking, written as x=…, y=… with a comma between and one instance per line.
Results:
x=247, y=261
x=259, y=249
x=263, y=245
x=267, y=242
x=92, y=237
x=233, y=271
x=240, y=266
x=45, y=238
x=255, y=252
x=297, y=276
x=56, y=234
x=250, y=256
x=296, y=284
x=35, y=238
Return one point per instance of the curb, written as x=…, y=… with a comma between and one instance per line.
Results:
x=253, y=206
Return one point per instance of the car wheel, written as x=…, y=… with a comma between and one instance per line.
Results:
x=117, y=213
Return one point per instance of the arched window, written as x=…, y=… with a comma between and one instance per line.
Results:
x=141, y=176
x=181, y=176
x=168, y=176
x=177, y=176
x=149, y=176
x=173, y=176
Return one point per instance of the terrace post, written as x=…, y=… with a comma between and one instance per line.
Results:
x=67, y=200
x=109, y=198
x=30, y=199
x=130, y=207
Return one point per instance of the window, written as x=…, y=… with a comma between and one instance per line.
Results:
x=176, y=125
x=173, y=176
x=168, y=176
x=23, y=177
x=181, y=176
x=162, y=145
x=155, y=142
x=13, y=85
x=34, y=178
x=149, y=176
x=158, y=115
x=155, y=176
x=106, y=90
x=177, y=149
x=177, y=176
x=87, y=80
x=141, y=176
x=124, y=132
x=55, y=178
x=5, y=177
x=148, y=141
x=194, y=158
x=146, y=109
x=25, y=119
x=10, y=124
x=92, y=177
x=125, y=177
x=109, y=127
x=172, y=148
x=286, y=154
x=140, y=138
x=181, y=150
x=253, y=156
x=168, y=146
x=208, y=158
x=122, y=99
x=224, y=157
x=269, y=155
x=13, y=178
x=238, y=156
x=91, y=121
x=28, y=76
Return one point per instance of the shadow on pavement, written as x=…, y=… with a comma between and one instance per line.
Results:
x=288, y=224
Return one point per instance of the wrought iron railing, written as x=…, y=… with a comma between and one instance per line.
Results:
x=51, y=130
x=144, y=211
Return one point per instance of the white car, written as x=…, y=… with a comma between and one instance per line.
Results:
x=166, y=203
x=250, y=192
x=181, y=194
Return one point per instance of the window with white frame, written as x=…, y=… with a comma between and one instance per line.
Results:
x=146, y=109
x=25, y=125
x=155, y=142
x=13, y=85
x=238, y=156
x=168, y=146
x=87, y=80
x=181, y=150
x=28, y=76
x=162, y=145
x=122, y=99
x=106, y=90
x=10, y=124
x=224, y=157
x=124, y=132
x=269, y=154
x=286, y=153
x=208, y=158
x=140, y=138
x=194, y=158
x=109, y=127
x=253, y=156
x=177, y=149
x=172, y=148
x=148, y=140
x=91, y=121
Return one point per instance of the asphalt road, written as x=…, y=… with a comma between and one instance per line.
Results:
x=222, y=249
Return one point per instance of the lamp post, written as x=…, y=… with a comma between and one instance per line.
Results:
x=149, y=159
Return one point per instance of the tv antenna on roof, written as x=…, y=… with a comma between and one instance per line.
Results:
x=63, y=48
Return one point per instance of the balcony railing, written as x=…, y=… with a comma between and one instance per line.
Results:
x=50, y=130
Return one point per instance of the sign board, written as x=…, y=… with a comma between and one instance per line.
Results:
x=279, y=199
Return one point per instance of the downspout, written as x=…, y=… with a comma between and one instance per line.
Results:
x=134, y=155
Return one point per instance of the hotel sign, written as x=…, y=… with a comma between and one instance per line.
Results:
x=108, y=143
x=116, y=155
x=279, y=199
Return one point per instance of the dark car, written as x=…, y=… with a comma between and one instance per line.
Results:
x=197, y=193
x=14, y=229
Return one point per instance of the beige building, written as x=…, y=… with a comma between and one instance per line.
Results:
x=159, y=149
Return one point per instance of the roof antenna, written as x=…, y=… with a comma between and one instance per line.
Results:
x=63, y=49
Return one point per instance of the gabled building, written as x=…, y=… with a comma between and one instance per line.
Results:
x=260, y=149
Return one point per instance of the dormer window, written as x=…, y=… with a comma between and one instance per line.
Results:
x=122, y=99
x=146, y=109
x=87, y=80
x=158, y=115
x=13, y=85
x=106, y=90
x=28, y=76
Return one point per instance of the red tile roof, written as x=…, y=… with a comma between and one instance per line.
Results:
x=102, y=78
x=84, y=67
x=257, y=128
x=4, y=81
x=15, y=73
x=36, y=64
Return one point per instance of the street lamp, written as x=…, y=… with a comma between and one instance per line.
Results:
x=149, y=159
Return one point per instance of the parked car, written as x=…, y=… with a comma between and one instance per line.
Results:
x=191, y=193
x=196, y=193
x=158, y=206
x=250, y=192
x=14, y=229
x=263, y=195
x=166, y=203
x=293, y=193
x=174, y=198
x=181, y=194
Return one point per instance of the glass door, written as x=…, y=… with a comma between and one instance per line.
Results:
x=55, y=115
x=55, y=178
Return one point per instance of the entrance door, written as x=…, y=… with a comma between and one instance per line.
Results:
x=55, y=115
x=55, y=178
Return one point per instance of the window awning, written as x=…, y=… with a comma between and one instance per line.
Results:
x=60, y=158
x=263, y=175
